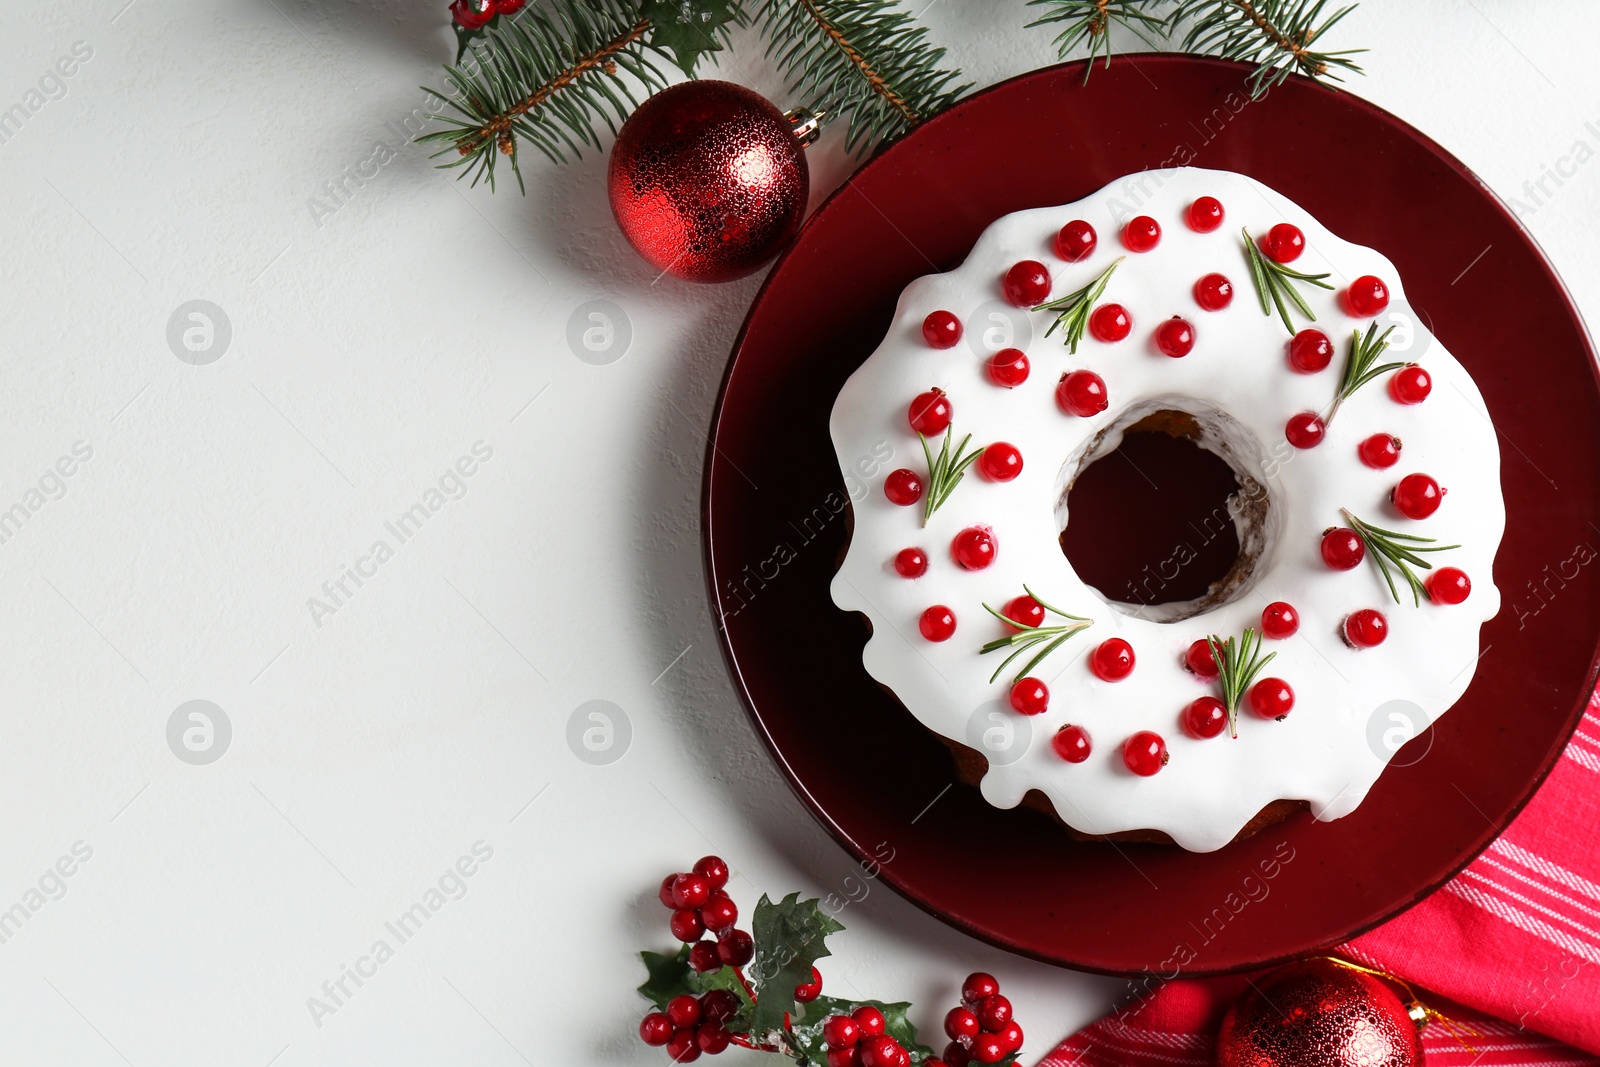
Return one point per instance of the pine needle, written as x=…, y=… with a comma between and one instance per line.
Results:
x=1278, y=36
x=1092, y=20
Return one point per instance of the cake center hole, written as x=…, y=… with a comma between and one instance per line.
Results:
x=1154, y=520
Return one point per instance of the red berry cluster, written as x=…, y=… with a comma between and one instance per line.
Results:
x=699, y=905
x=475, y=14
x=981, y=1029
x=858, y=1040
x=692, y=1025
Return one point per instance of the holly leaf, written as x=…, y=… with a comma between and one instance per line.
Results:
x=690, y=28
x=896, y=1022
x=791, y=936
x=670, y=976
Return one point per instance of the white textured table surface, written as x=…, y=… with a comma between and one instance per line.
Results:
x=366, y=345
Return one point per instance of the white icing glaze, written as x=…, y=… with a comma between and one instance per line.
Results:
x=1330, y=749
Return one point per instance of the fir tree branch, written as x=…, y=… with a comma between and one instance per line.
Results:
x=1276, y=35
x=550, y=77
x=867, y=60
x=1092, y=20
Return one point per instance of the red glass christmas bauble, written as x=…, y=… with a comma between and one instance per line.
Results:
x=1318, y=1014
x=708, y=180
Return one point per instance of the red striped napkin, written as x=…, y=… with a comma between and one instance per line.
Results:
x=1510, y=946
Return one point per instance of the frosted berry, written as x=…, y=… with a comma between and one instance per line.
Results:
x=1367, y=296
x=840, y=1031
x=937, y=623
x=903, y=487
x=1284, y=242
x=1305, y=430
x=806, y=992
x=1000, y=462
x=720, y=913
x=1365, y=628
x=664, y=894
x=703, y=957
x=735, y=947
x=683, y=1011
x=1271, y=698
x=942, y=330
x=690, y=891
x=1072, y=743
x=1113, y=660
x=1076, y=241
x=1449, y=585
x=1027, y=284
x=1024, y=610
x=1141, y=234
x=961, y=1023
x=1380, y=450
x=1410, y=385
x=911, y=563
x=974, y=548
x=711, y=1038
x=1008, y=367
x=472, y=14
x=1417, y=496
x=1201, y=661
x=1310, y=351
x=930, y=413
x=988, y=1048
x=1279, y=620
x=686, y=926
x=869, y=1020
x=993, y=1012
x=1213, y=292
x=979, y=984
x=1082, y=393
x=655, y=1029
x=1342, y=549
x=1175, y=338
x=1030, y=696
x=1205, y=214
x=683, y=1048
x=1110, y=323
x=713, y=870
x=1144, y=753
x=1205, y=717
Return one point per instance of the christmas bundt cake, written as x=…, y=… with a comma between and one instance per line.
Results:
x=1201, y=305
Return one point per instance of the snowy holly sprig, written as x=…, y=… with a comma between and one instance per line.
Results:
x=761, y=990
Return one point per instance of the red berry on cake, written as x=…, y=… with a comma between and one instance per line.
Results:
x=655, y=1029
x=1000, y=462
x=1027, y=283
x=930, y=413
x=1449, y=585
x=1365, y=628
x=1008, y=367
x=1205, y=717
x=1271, y=698
x=974, y=548
x=1204, y=214
x=1201, y=661
x=1024, y=611
x=869, y=1020
x=1310, y=351
x=1113, y=660
x=1030, y=696
x=1342, y=549
x=937, y=623
x=1071, y=743
x=840, y=1031
x=1141, y=234
x=1082, y=393
x=1417, y=496
x=1279, y=620
x=1284, y=243
x=1381, y=450
x=1110, y=323
x=911, y=563
x=1213, y=292
x=1410, y=384
x=1144, y=753
x=979, y=984
x=1076, y=241
x=941, y=330
x=1305, y=430
x=1367, y=296
x=1175, y=337
x=903, y=487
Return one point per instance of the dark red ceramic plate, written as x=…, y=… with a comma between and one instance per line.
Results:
x=774, y=528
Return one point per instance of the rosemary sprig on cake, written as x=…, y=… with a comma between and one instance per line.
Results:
x=1072, y=310
x=1391, y=551
x=1359, y=363
x=946, y=470
x=1276, y=281
x=1026, y=638
x=1238, y=664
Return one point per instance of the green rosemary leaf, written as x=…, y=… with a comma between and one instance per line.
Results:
x=1026, y=638
x=1400, y=551
x=1275, y=281
x=945, y=472
x=1073, y=309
